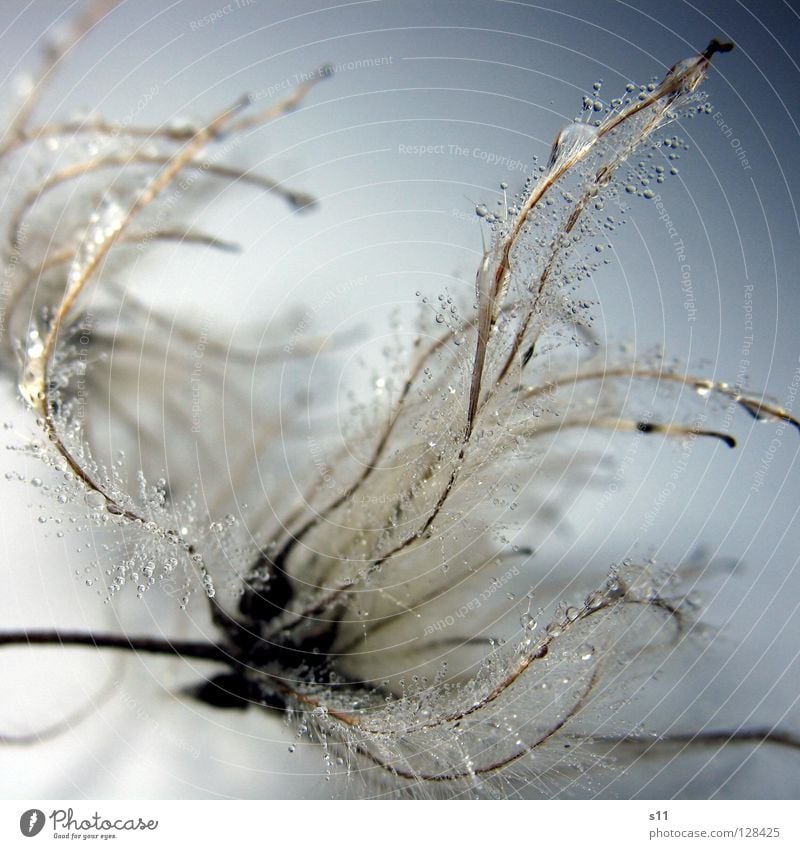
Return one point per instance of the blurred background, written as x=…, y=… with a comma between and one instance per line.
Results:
x=432, y=105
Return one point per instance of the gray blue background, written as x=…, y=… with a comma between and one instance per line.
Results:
x=499, y=77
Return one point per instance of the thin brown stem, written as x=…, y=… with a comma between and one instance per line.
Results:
x=54, y=54
x=146, y=645
x=750, y=736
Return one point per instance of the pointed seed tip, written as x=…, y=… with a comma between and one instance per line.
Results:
x=717, y=46
x=302, y=201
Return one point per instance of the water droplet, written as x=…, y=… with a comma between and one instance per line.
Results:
x=703, y=387
x=595, y=600
x=571, y=141
x=94, y=499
